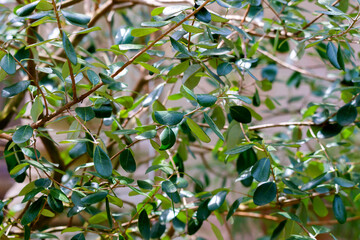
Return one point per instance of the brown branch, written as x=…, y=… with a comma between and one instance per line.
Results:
x=332, y=221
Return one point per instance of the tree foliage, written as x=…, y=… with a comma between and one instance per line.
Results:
x=155, y=119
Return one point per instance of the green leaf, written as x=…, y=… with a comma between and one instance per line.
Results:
x=168, y=186
x=79, y=236
x=346, y=114
x=224, y=69
x=206, y=100
x=27, y=9
x=339, y=209
x=193, y=226
x=340, y=58
x=55, y=204
x=22, y=134
x=319, y=207
x=213, y=126
x=216, y=231
x=127, y=161
x=265, y=193
x=19, y=169
x=315, y=182
x=93, y=77
x=179, y=46
x=144, y=225
x=102, y=162
x=329, y=130
x=192, y=29
x=58, y=194
x=157, y=11
x=331, y=53
x=150, y=67
x=140, y=32
x=203, y=211
x=76, y=18
x=167, y=138
x=239, y=149
x=36, y=109
x=217, y=200
x=196, y=129
x=94, y=197
x=240, y=114
x=157, y=230
x=203, y=15
x=168, y=117
x=8, y=64
x=15, y=89
x=234, y=207
x=144, y=185
x=178, y=69
x=261, y=170
x=85, y=113
x=33, y=211
x=154, y=95
x=278, y=230
x=344, y=182
x=69, y=49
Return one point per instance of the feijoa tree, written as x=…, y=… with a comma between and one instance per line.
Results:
x=163, y=119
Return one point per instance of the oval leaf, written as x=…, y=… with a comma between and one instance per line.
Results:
x=69, y=49
x=85, y=113
x=94, y=197
x=127, y=161
x=196, y=129
x=23, y=134
x=346, y=114
x=27, y=9
x=102, y=162
x=33, y=211
x=261, y=170
x=167, y=138
x=206, y=100
x=339, y=209
x=265, y=193
x=144, y=225
x=240, y=114
x=140, y=32
x=8, y=64
x=76, y=18
x=168, y=117
x=331, y=53
x=15, y=89
x=217, y=200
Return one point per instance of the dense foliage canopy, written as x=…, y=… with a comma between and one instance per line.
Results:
x=170, y=118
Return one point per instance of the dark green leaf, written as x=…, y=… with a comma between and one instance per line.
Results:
x=8, y=64
x=94, y=197
x=22, y=134
x=213, y=126
x=217, y=200
x=261, y=170
x=13, y=156
x=265, y=193
x=331, y=53
x=76, y=18
x=144, y=184
x=144, y=225
x=340, y=58
x=278, y=230
x=157, y=230
x=346, y=114
x=315, y=182
x=78, y=150
x=27, y=9
x=79, y=236
x=127, y=161
x=15, y=89
x=43, y=182
x=256, y=99
x=224, y=69
x=108, y=213
x=234, y=207
x=85, y=113
x=69, y=49
x=154, y=95
x=203, y=211
x=206, y=100
x=58, y=194
x=168, y=117
x=239, y=149
x=33, y=211
x=203, y=15
x=55, y=204
x=240, y=114
x=269, y=72
x=167, y=138
x=102, y=162
x=104, y=111
x=168, y=186
x=179, y=47
x=339, y=209
x=193, y=226
x=329, y=130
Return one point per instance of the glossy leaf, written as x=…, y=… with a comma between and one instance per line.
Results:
x=224, y=69
x=217, y=200
x=168, y=117
x=76, y=18
x=94, y=197
x=265, y=193
x=8, y=64
x=203, y=15
x=234, y=207
x=168, y=186
x=278, y=230
x=127, y=161
x=240, y=114
x=15, y=89
x=213, y=126
x=193, y=226
x=157, y=230
x=339, y=209
x=93, y=77
x=27, y=9
x=102, y=162
x=22, y=134
x=203, y=211
x=167, y=138
x=55, y=204
x=331, y=53
x=206, y=100
x=33, y=211
x=261, y=170
x=69, y=49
